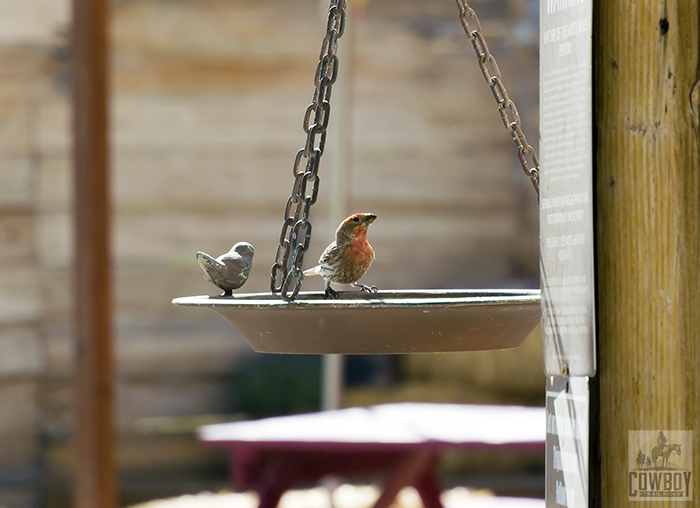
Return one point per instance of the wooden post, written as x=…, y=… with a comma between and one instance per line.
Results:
x=95, y=472
x=647, y=111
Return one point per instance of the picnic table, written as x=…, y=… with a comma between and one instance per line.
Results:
x=403, y=441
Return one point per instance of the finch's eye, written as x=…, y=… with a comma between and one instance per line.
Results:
x=356, y=219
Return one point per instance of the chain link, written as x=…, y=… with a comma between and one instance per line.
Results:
x=286, y=276
x=506, y=107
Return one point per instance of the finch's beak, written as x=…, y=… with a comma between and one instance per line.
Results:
x=370, y=218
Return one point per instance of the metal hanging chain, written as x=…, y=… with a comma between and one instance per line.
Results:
x=506, y=107
x=296, y=229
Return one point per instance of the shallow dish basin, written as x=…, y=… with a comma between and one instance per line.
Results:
x=388, y=322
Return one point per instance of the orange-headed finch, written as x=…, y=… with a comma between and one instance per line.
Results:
x=349, y=257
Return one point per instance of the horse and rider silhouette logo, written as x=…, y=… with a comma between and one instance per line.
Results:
x=660, y=465
x=663, y=451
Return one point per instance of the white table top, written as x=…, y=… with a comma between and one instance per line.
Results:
x=403, y=423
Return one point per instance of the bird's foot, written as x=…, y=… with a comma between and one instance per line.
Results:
x=228, y=292
x=330, y=293
x=363, y=287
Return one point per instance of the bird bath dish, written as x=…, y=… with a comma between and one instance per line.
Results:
x=386, y=322
x=287, y=320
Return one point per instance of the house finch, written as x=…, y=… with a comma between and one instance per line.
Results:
x=349, y=257
x=229, y=271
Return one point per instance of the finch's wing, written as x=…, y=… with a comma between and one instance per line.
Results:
x=329, y=254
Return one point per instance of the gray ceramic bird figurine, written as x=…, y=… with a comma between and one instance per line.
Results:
x=229, y=271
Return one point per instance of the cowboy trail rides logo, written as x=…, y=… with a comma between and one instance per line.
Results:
x=660, y=465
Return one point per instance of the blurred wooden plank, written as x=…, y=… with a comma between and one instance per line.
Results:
x=54, y=184
x=16, y=177
x=17, y=239
x=14, y=126
x=32, y=22
x=209, y=126
x=19, y=412
x=55, y=239
x=20, y=297
x=143, y=292
x=96, y=472
x=149, y=397
x=54, y=136
x=20, y=351
x=150, y=349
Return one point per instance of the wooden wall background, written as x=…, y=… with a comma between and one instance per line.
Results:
x=208, y=100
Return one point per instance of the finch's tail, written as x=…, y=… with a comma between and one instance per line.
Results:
x=316, y=270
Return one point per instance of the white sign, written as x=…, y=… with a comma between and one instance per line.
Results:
x=566, y=187
x=567, y=472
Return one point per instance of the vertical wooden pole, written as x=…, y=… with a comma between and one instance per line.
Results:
x=95, y=472
x=647, y=227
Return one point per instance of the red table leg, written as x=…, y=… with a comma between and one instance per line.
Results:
x=429, y=490
x=414, y=469
x=271, y=473
x=274, y=479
